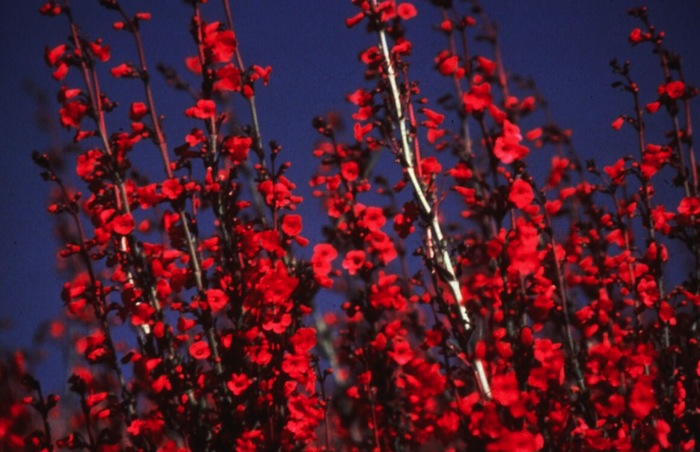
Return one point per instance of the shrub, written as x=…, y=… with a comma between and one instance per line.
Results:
x=481, y=302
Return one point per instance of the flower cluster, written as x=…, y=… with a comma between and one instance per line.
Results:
x=481, y=306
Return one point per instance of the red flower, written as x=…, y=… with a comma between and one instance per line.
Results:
x=291, y=225
x=228, y=78
x=403, y=222
x=279, y=194
x=522, y=250
x=519, y=441
x=349, y=170
x=359, y=97
x=172, y=188
x=617, y=124
x=652, y=107
x=123, y=224
x=478, y=97
x=204, y=109
x=88, y=167
x=353, y=261
x=72, y=113
x=386, y=294
x=521, y=194
x=296, y=366
x=238, y=148
x=141, y=314
x=430, y=166
x=616, y=172
x=138, y=111
x=637, y=36
x=401, y=352
x=52, y=56
x=372, y=219
x=505, y=389
x=381, y=245
x=359, y=131
x=487, y=66
x=123, y=70
x=654, y=158
x=674, y=90
x=434, y=118
x=101, y=52
x=354, y=20
x=200, y=350
x=50, y=8
x=194, y=65
x=324, y=254
x=260, y=72
x=406, y=11
x=270, y=241
x=303, y=340
x=219, y=46
x=161, y=383
x=238, y=383
x=508, y=147
x=642, y=399
x=216, y=299
x=689, y=211
x=447, y=64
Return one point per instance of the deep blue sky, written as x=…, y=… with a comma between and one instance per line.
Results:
x=564, y=45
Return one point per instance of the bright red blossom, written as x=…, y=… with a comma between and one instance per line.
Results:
x=674, y=90
x=204, y=109
x=521, y=194
x=406, y=11
x=123, y=224
x=353, y=261
x=238, y=383
x=216, y=299
x=200, y=350
x=478, y=98
x=508, y=148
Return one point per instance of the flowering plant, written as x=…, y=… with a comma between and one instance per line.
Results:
x=485, y=303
